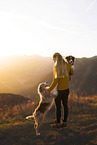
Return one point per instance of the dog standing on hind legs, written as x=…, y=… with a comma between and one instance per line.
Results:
x=45, y=104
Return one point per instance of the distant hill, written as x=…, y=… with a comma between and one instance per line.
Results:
x=84, y=81
x=11, y=99
x=22, y=74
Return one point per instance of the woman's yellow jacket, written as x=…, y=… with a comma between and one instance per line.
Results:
x=62, y=83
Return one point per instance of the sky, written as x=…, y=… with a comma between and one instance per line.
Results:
x=43, y=27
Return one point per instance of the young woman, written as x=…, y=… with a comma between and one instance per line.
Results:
x=62, y=70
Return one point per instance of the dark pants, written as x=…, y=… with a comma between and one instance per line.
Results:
x=61, y=97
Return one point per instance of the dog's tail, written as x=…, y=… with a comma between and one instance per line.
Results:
x=28, y=117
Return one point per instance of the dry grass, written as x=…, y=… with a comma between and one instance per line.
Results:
x=83, y=106
x=82, y=123
x=13, y=115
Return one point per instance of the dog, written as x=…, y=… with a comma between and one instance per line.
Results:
x=45, y=104
x=70, y=59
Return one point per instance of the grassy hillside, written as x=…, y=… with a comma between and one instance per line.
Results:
x=82, y=125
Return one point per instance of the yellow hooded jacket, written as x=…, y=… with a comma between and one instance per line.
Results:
x=62, y=83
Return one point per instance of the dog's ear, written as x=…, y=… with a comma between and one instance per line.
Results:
x=73, y=58
x=67, y=58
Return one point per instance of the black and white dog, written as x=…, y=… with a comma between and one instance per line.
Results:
x=70, y=59
x=45, y=104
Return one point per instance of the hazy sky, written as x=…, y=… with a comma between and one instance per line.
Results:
x=43, y=27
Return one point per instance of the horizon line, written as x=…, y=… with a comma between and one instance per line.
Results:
x=1, y=56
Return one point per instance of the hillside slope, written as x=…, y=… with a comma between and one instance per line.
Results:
x=84, y=81
x=22, y=74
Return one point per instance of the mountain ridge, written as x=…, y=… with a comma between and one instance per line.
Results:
x=22, y=74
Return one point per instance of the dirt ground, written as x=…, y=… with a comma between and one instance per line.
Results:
x=80, y=133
